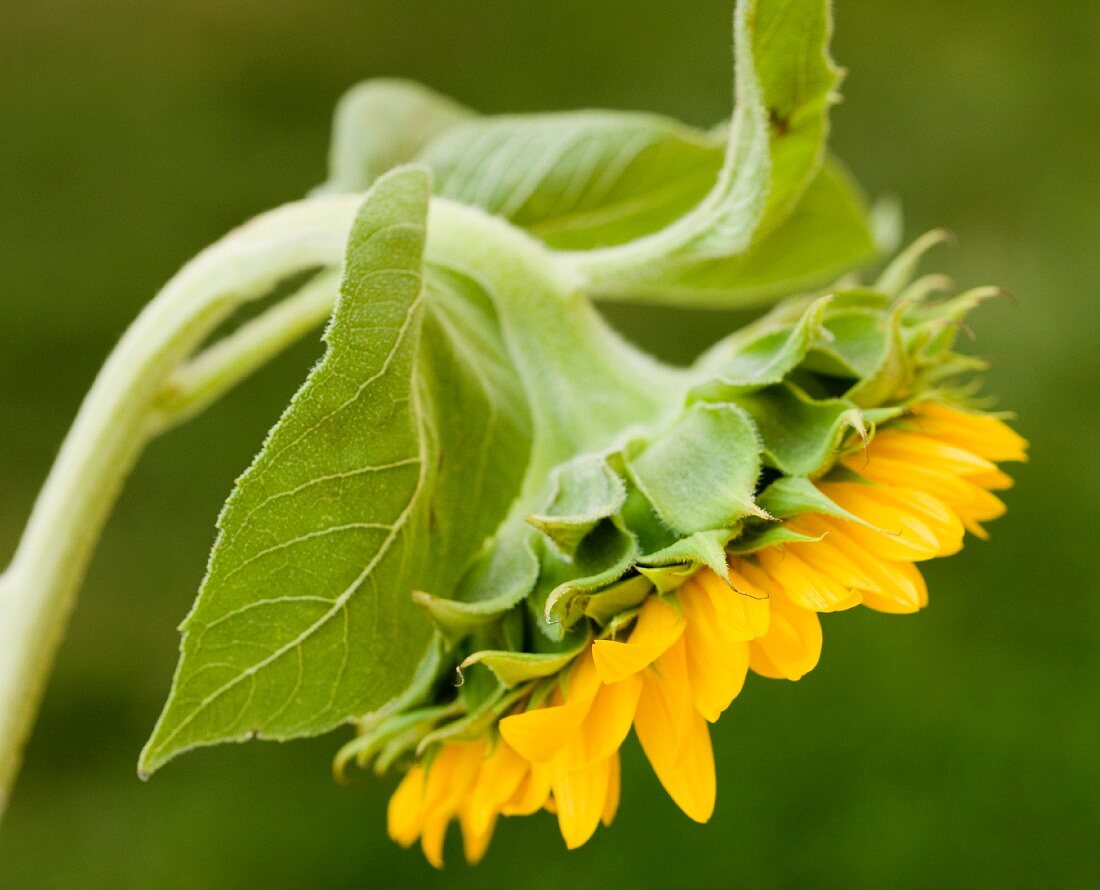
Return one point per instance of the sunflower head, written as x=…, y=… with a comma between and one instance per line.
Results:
x=815, y=459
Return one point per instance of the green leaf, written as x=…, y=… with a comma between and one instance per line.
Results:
x=577, y=180
x=801, y=435
x=826, y=235
x=364, y=492
x=700, y=474
x=791, y=48
x=723, y=222
x=322, y=537
x=381, y=124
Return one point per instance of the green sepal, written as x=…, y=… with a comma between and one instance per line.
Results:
x=892, y=379
x=476, y=723
x=801, y=435
x=702, y=548
x=790, y=496
x=763, y=354
x=897, y=276
x=602, y=559
x=627, y=594
x=701, y=472
x=769, y=536
x=858, y=335
x=399, y=733
x=514, y=668
x=585, y=491
x=667, y=578
x=505, y=572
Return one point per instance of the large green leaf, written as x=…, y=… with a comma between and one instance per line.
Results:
x=577, y=180
x=364, y=492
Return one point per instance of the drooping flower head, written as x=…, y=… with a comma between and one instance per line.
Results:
x=864, y=472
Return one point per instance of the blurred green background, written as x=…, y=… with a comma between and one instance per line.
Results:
x=957, y=747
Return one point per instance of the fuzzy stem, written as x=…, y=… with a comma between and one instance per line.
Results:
x=194, y=386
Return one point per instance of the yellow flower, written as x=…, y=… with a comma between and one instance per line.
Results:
x=911, y=493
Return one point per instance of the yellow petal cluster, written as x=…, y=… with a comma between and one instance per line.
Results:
x=908, y=496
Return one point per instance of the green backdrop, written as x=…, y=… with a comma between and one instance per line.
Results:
x=957, y=747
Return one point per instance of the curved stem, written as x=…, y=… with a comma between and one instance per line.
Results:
x=194, y=386
x=117, y=419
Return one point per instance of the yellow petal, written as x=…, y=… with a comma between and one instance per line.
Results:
x=431, y=839
x=580, y=796
x=913, y=525
x=888, y=585
x=792, y=646
x=993, y=480
x=608, y=722
x=754, y=589
x=982, y=506
x=659, y=625
x=614, y=785
x=981, y=434
x=927, y=451
x=497, y=782
x=825, y=556
x=740, y=605
x=450, y=777
x=902, y=592
x=683, y=762
x=760, y=664
x=930, y=478
x=532, y=793
x=403, y=814
x=475, y=839
x=716, y=664
x=540, y=733
x=804, y=583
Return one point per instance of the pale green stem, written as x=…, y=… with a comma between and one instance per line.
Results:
x=204, y=379
x=117, y=419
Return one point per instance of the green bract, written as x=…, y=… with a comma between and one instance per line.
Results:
x=480, y=475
